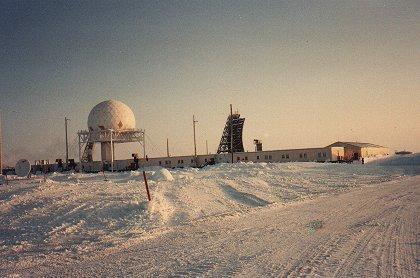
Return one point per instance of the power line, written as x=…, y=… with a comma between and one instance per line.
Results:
x=153, y=146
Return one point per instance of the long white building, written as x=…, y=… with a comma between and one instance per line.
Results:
x=336, y=152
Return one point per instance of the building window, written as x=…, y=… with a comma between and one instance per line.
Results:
x=304, y=155
x=205, y=159
x=246, y=158
x=319, y=154
x=269, y=157
x=282, y=156
x=266, y=156
x=300, y=155
x=182, y=161
x=287, y=156
x=324, y=154
x=258, y=157
x=160, y=162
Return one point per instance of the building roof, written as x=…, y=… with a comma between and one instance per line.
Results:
x=356, y=144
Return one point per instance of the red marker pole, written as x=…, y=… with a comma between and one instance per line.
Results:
x=147, y=186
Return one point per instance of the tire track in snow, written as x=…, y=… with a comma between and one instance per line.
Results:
x=213, y=248
x=373, y=241
x=244, y=198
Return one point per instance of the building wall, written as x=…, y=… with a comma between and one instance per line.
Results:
x=295, y=155
x=170, y=162
x=332, y=153
x=372, y=152
x=368, y=151
x=94, y=166
x=337, y=153
x=350, y=151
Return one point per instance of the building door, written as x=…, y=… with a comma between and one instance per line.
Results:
x=355, y=156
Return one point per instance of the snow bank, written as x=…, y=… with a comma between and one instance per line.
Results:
x=162, y=174
x=84, y=212
x=410, y=164
x=400, y=160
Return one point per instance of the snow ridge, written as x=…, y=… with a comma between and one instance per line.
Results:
x=83, y=213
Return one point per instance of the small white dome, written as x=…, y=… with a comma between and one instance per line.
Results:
x=111, y=114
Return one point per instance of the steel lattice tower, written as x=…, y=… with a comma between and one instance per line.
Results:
x=235, y=124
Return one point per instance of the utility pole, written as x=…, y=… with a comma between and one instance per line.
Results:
x=112, y=150
x=231, y=133
x=1, y=147
x=167, y=147
x=207, y=148
x=67, y=143
x=195, y=144
x=144, y=144
x=80, y=150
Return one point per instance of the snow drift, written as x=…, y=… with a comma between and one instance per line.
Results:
x=162, y=175
x=83, y=213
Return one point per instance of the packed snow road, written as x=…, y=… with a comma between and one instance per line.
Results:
x=290, y=219
x=368, y=232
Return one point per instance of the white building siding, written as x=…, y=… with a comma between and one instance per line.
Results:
x=334, y=152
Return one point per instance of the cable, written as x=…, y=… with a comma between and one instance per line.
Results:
x=154, y=147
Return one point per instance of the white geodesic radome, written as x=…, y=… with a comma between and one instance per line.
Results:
x=111, y=114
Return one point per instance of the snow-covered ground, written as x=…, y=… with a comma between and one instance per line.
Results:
x=250, y=219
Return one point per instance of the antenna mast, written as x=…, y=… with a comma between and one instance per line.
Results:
x=195, y=144
x=1, y=147
x=231, y=133
x=67, y=142
x=144, y=144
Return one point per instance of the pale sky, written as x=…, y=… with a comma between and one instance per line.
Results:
x=302, y=73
